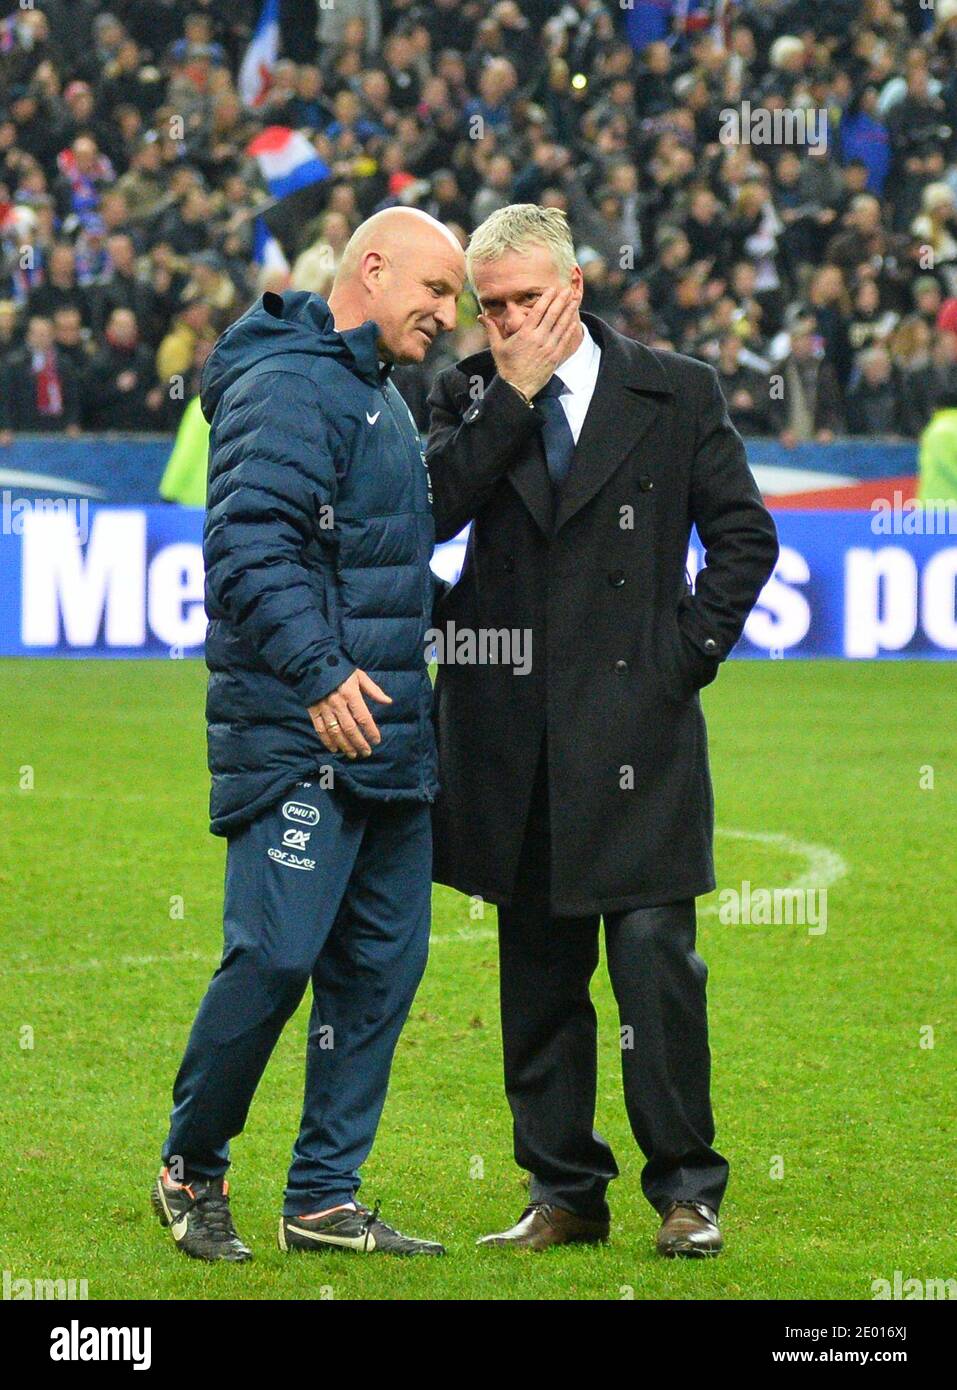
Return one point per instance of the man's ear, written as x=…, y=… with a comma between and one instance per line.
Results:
x=371, y=270
x=577, y=282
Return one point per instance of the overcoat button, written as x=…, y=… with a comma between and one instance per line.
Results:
x=471, y=414
x=508, y=564
x=645, y=483
x=616, y=578
x=621, y=667
x=711, y=645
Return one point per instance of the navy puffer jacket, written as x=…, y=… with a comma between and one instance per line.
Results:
x=317, y=544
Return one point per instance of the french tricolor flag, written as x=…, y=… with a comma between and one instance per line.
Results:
x=287, y=160
x=267, y=252
x=255, y=73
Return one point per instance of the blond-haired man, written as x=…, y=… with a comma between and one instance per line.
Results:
x=580, y=790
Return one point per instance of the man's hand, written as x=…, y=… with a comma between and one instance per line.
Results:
x=528, y=358
x=342, y=720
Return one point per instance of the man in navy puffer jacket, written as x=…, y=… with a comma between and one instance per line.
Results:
x=317, y=544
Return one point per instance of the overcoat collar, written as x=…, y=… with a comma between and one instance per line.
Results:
x=631, y=386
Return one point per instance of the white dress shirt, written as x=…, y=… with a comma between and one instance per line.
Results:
x=579, y=373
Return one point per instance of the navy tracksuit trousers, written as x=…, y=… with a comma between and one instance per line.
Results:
x=328, y=888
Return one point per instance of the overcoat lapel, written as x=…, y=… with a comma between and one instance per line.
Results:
x=630, y=389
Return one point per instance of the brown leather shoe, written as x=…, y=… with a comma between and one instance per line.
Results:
x=542, y=1225
x=689, y=1229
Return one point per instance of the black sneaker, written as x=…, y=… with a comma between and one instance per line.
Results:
x=198, y=1216
x=345, y=1229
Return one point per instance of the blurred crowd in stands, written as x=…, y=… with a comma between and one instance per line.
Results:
x=826, y=269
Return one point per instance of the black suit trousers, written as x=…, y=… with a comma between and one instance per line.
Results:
x=550, y=1040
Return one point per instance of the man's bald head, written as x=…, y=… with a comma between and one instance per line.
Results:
x=404, y=270
x=395, y=231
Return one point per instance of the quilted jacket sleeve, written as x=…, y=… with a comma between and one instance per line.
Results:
x=272, y=481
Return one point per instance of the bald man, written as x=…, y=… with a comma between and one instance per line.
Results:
x=317, y=545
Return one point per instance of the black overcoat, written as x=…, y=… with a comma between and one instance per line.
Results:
x=620, y=646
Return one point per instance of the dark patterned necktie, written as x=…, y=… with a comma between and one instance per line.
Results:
x=556, y=433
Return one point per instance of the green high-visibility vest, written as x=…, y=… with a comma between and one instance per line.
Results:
x=937, y=462
x=185, y=478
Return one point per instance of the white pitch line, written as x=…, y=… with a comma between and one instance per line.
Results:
x=467, y=934
x=73, y=794
x=183, y=957
x=823, y=867
x=74, y=968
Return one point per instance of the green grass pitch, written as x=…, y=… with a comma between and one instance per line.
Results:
x=835, y=1111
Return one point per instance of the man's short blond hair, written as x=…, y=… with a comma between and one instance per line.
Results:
x=520, y=227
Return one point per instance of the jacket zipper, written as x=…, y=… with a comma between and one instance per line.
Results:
x=425, y=600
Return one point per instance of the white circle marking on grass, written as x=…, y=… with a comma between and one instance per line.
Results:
x=823, y=867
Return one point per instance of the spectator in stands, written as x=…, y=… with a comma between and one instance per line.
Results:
x=866, y=243
x=197, y=52
x=82, y=117
x=809, y=406
x=74, y=348
x=61, y=288
x=308, y=108
x=38, y=392
x=35, y=130
x=826, y=186
x=706, y=229
x=177, y=350
x=864, y=135
x=334, y=21
x=831, y=304
x=918, y=121
x=929, y=384
x=496, y=190
x=105, y=38
x=910, y=349
x=491, y=108
x=446, y=202
x=211, y=283
x=121, y=287
x=128, y=81
x=10, y=335
x=745, y=389
x=869, y=324
x=743, y=281
x=928, y=298
x=186, y=227
x=143, y=185
x=92, y=258
x=874, y=402
x=122, y=390
x=83, y=173
x=936, y=228
x=315, y=269
x=674, y=254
